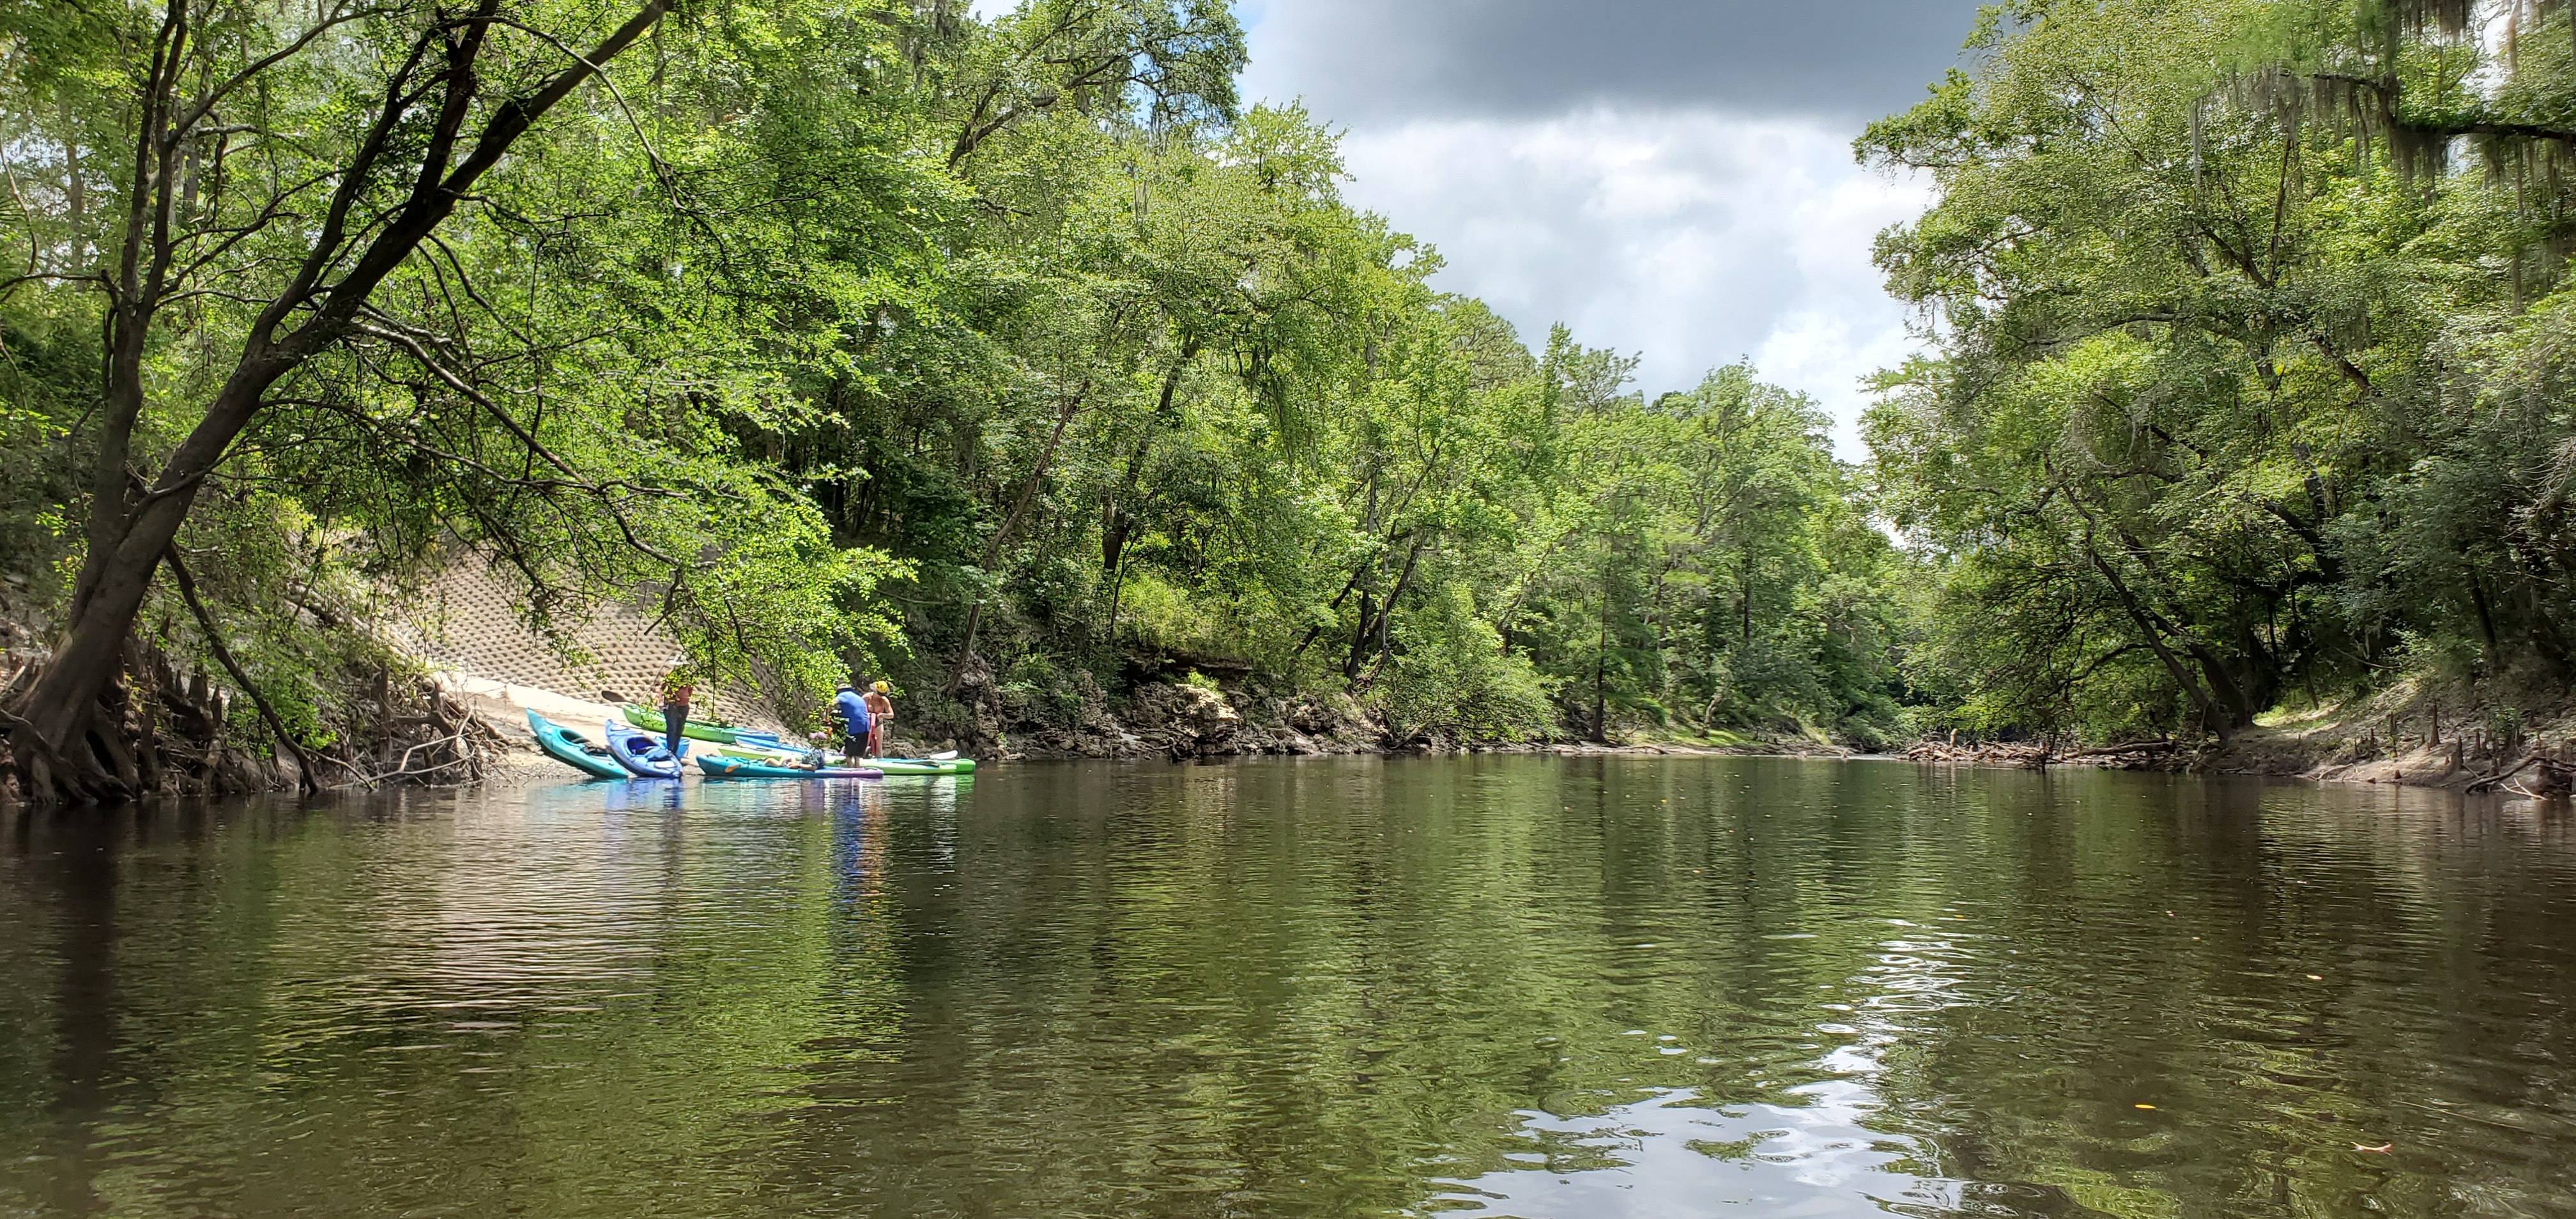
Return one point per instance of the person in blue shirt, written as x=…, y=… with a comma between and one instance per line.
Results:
x=852, y=711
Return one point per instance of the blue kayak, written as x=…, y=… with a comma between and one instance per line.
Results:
x=573, y=749
x=720, y=767
x=642, y=752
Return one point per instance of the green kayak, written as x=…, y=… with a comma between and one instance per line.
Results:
x=763, y=753
x=696, y=730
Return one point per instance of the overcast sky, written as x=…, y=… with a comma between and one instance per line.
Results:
x=1673, y=178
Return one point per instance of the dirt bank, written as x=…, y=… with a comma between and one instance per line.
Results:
x=2467, y=749
x=2458, y=737
x=1195, y=720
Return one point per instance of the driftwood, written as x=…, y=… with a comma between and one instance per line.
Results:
x=2126, y=755
x=2131, y=754
x=2555, y=779
x=1982, y=753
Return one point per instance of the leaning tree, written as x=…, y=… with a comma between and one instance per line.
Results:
x=250, y=174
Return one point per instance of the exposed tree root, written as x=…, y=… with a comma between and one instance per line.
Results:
x=157, y=734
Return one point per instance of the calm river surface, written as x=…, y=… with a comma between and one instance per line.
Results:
x=1498, y=986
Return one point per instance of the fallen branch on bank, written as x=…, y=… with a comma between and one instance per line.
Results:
x=2153, y=754
x=2556, y=779
x=1981, y=753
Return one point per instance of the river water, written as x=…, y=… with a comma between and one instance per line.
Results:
x=1493, y=986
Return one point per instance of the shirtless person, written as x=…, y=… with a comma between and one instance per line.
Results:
x=880, y=714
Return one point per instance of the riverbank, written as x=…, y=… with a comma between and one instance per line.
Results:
x=2415, y=733
x=350, y=710
x=462, y=680
x=2414, y=737
x=431, y=689
x=1204, y=721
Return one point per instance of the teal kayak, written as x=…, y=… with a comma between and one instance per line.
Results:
x=573, y=749
x=718, y=766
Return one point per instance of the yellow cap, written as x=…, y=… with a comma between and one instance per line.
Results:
x=881, y=687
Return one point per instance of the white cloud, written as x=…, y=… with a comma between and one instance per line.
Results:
x=1691, y=238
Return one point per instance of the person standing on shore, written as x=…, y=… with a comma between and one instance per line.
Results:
x=852, y=711
x=678, y=687
x=880, y=717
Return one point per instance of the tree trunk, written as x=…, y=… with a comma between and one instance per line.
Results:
x=1386, y=617
x=2153, y=637
x=1601, y=672
x=1117, y=526
x=2486, y=618
x=1359, y=638
x=1019, y=508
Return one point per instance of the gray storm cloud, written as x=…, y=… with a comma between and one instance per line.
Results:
x=1843, y=60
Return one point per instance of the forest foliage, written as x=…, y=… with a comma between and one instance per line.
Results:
x=1020, y=359
x=2251, y=383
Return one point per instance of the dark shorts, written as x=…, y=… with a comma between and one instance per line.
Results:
x=854, y=746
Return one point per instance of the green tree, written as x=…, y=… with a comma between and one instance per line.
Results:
x=1712, y=570
x=2206, y=291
